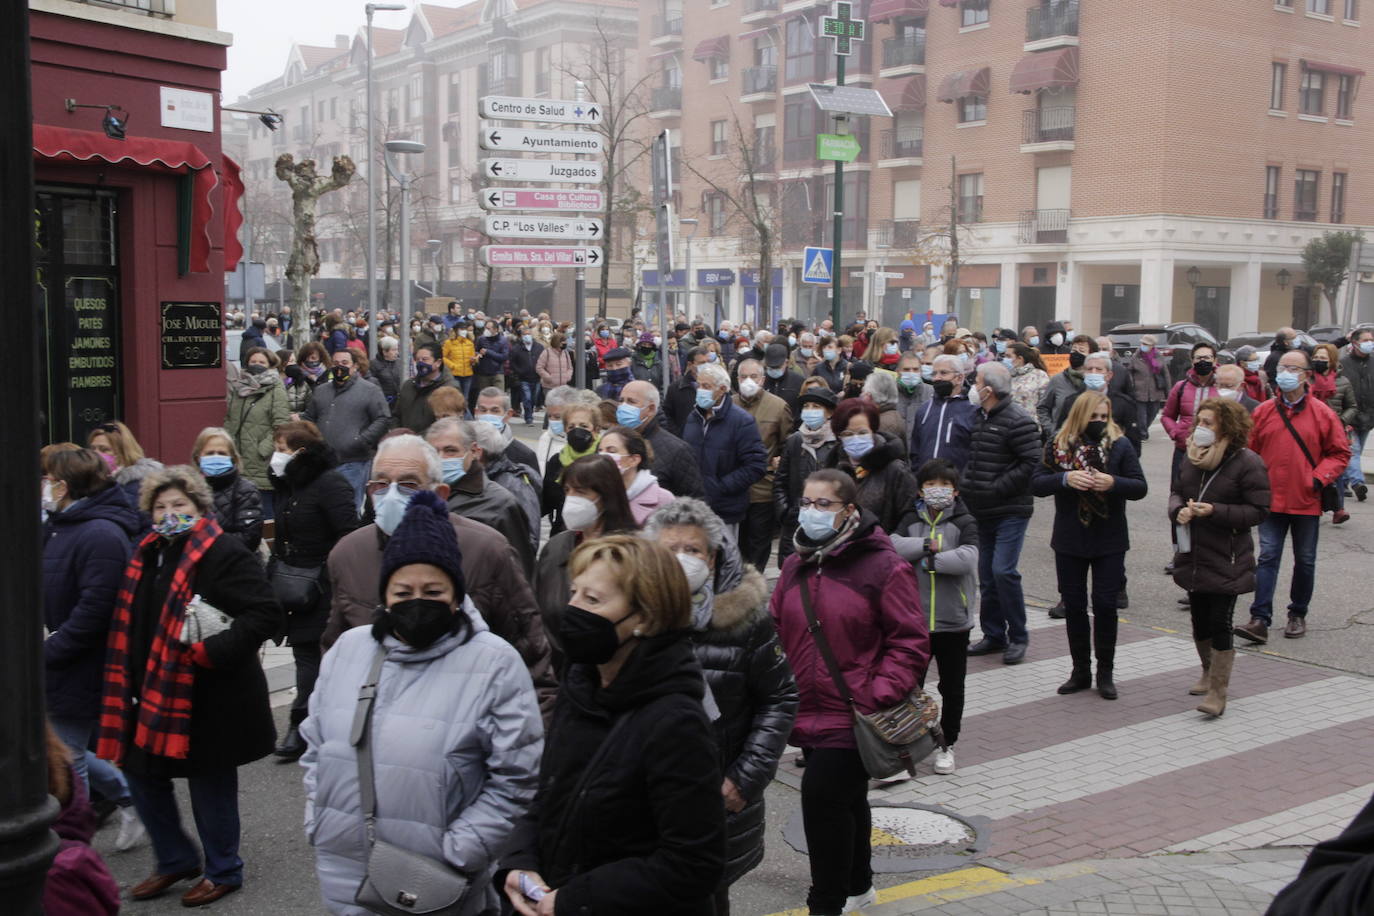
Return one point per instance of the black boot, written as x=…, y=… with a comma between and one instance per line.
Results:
x=1104, y=645
x=292, y=746
x=1080, y=649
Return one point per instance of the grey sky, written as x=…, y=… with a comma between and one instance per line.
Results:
x=264, y=31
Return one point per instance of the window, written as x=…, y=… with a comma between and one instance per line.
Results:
x=854, y=226
x=543, y=70
x=972, y=109
x=764, y=150
x=1338, y=197
x=455, y=190
x=717, y=138
x=714, y=205
x=973, y=12
x=765, y=53
x=414, y=105
x=1271, y=192
x=1286, y=4
x=719, y=68
x=971, y=198
x=333, y=109
x=393, y=110
x=453, y=93
x=1305, y=195
x=799, y=130
x=1352, y=10
x=1311, y=97
x=1278, y=75
x=1345, y=89
x=801, y=50
x=454, y=154
x=1321, y=7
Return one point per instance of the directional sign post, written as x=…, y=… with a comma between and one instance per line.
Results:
x=538, y=256
x=837, y=147
x=542, y=227
x=843, y=29
x=540, y=141
x=551, y=111
x=543, y=170
x=532, y=199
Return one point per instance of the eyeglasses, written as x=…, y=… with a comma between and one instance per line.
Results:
x=407, y=487
x=108, y=428
x=824, y=505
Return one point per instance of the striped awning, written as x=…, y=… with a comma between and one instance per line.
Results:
x=905, y=94
x=1057, y=69
x=883, y=10
x=712, y=47
x=964, y=83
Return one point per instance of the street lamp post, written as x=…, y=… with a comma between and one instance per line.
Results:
x=691, y=224
x=396, y=148
x=369, y=9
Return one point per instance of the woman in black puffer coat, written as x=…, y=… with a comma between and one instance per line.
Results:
x=752, y=693
x=876, y=461
x=315, y=508
x=238, y=504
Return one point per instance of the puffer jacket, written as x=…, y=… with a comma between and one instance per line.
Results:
x=250, y=420
x=869, y=607
x=832, y=373
x=774, y=420
x=387, y=374
x=1003, y=452
x=1181, y=407
x=886, y=485
x=238, y=507
x=731, y=456
x=1341, y=399
x=942, y=431
x=352, y=418
x=525, y=484
x=674, y=465
x=458, y=354
x=754, y=690
x=456, y=740
x=646, y=496
x=948, y=579
x=1221, y=560
x=1360, y=370
x=497, y=350
x=795, y=465
x=555, y=367
x=86, y=547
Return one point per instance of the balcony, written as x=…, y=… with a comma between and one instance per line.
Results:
x=666, y=102
x=1047, y=130
x=765, y=160
x=760, y=84
x=902, y=146
x=906, y=54
x=165, y=9
x=755, y=10
x=1044, y=227
x=1052, y=25
x=667, y=29
x=897, y=233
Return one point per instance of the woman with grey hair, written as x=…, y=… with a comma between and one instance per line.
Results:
x=748, y=675
x=881, y=389
x=1150, y=376
x=552, y=440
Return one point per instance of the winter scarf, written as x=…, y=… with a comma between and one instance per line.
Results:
x=1207, y=459
x=567, y=456
x=247, y=385
x=163, y=711
x=815, y=438
x=1081, y=457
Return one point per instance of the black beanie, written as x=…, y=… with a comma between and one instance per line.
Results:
x=425, y=535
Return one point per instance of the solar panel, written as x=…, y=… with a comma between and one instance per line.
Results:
x=852, y=100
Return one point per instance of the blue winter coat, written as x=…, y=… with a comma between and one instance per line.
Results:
x=85, y=550
x=731, y=456
x=943, y=429
x=498, y=351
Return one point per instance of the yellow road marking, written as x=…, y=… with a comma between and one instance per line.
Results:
x=956, y=885
x=883, y=838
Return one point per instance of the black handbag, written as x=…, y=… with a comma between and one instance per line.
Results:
x=297, y=588
x=1331, y=496
x=397, y=881
x=890, y=740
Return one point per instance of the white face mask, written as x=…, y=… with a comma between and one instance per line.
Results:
x=1057, y=339
x=579, y=513
x=279, y=461
x=1204, y=437
x=1231, y=394
x=695, y=569
x=49, y=502
x=749, y=388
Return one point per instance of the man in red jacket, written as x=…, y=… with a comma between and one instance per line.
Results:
x=1303, y=444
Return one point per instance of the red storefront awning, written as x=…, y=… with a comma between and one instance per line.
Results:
x=1056, y=69
x=1332, y=68
x=712, y=47
x=949, y=2
x=170, y=157
x=233, y=216
x=965, y=82
x=883, y=10
x=905, y=94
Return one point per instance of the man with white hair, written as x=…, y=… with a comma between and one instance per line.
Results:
x=405, y=464
x=472, y=494
x=1098, y=375
x=499, y=460
x=728, y=448
x=1004, y=450
x=945, y=424
x=494, y=407
x=674, y=464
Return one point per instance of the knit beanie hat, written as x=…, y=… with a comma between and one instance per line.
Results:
x=425, y=535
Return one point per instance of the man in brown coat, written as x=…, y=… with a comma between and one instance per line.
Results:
x=490, y=567
x=759, y=528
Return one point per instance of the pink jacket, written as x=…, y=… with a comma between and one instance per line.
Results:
x=554, y=367
x=1181, y=407
x=646, y=496
x=868, y=605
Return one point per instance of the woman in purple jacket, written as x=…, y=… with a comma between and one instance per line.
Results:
x=866, y=601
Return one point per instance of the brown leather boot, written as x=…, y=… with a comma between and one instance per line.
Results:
x=1219, y=679
x=1204, y=652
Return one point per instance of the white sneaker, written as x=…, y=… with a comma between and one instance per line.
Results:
x=861, y=901
x=944, y=761
x=899, y=776
x=131, y=830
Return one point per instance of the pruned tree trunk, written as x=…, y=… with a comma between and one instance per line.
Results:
x=306, y=190
x=952, y=274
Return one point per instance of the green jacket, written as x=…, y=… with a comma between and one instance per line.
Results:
x=412, y=410
x=251, y=419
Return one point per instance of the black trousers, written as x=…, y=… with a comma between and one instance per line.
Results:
x=1212, y=618
x=306, y=654
x=1108, y=577
x=838, y=826
x=756, y=532
x=949, y=651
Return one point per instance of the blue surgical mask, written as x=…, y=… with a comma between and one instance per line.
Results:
x=215, y=465
x=494, y=419
x=830, y=355
x=1095, y=380
x=1006, y=361
x=806, y=352
x=817, y=524
x=812, y=417
x=910, y=379
x=1001, y=346
x=604, y=333
x=1035, y=340
x=1146, y=348
x=857, y=446
x=1253, y=365
x=776, y=373
x=628, y=415
x=890, y=349
x=1367, y=346
x=389, y=507
x=453, y=470
x=705, y=399
x=792, y=340
x=712, y=356
x=927, y=372
x=1287, y=381
x=556, y=427
x=526, y=339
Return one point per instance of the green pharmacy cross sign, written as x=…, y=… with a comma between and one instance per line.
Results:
x=842, y=28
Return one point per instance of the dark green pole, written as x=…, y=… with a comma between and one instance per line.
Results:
x=837, y=235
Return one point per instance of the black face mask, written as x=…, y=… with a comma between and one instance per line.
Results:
x=1320, y=365
x=420, y=622
x=943, y=387
x=1095, y=430
x=255, y=369
x=340, y=375
x=588, y=639
x=1077, y=359
x=580, y=439
x=1203, y=367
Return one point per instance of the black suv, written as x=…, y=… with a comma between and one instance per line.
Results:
x=1174, y=342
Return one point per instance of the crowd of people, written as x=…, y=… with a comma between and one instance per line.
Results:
x=558, y=672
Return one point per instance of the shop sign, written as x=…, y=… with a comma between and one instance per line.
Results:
x=192, y=335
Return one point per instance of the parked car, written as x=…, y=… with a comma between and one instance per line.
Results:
x=1264, y=342
x=1173, y=341
x=1326, y=333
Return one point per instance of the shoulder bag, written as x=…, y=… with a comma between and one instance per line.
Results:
x=890, y=740
x=398, y=881
x=297, y=587
x=1331, y=497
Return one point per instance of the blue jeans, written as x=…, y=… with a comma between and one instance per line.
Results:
x=1002, y=613
x=465, y=386
x=526, y=392
x=356, y=473
x=215, y=805
x=97, y=774
x=1272, y=533
x=1354, y=473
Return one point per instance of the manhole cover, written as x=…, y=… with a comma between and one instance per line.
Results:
x=910, y=838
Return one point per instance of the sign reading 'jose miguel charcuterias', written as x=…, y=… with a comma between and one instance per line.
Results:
x=192, y=335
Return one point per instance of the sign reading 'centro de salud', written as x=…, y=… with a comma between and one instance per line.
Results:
x=192, y=335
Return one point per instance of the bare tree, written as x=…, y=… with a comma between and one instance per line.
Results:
x=946, y=243
x=306, y=190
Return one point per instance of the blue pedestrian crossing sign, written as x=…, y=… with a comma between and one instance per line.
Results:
x=818, y=265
